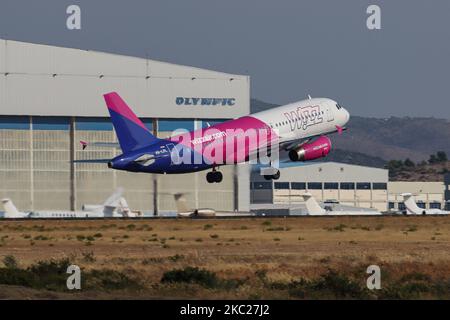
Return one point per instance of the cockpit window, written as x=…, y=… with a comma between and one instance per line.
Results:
x=338, y=106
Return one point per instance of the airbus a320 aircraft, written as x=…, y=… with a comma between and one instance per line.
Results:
x=298, y=129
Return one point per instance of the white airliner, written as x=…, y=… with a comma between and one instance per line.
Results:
x=184, y=211
x=114, y=207
x=314, y=209
x=413, y=208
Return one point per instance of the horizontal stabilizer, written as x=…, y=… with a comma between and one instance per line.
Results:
x=85, y=144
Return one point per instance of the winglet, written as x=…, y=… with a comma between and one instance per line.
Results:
x=312, y=206
x=339, y=129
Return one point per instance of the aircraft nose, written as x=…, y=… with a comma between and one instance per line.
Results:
x=346, y=115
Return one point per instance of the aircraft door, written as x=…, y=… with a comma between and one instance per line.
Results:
x=330, y=113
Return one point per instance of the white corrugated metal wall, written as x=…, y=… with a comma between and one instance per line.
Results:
x=39, y=80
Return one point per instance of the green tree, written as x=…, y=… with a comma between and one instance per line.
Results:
x=441, y=156
x=433, y=159
x=394, y=164
x=409, y=163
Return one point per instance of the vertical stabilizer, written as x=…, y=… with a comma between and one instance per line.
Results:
x=10, y=209
x=181, y=202
x=124, y=208
x=131, y=132
x=312, y=206
x=411, y=205
x=113, y=200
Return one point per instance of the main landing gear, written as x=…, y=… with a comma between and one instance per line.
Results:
x=274, y=176
x=214, y=176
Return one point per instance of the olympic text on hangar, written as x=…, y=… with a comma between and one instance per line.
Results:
x=182, y=101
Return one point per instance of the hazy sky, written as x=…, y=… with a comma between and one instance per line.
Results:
x=289, y=47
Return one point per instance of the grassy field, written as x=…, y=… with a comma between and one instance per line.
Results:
x=308, y=257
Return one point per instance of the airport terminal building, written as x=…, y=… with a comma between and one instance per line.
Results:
x=51, y=98
x=349, y=184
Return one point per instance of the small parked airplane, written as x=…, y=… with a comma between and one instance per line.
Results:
x=298, y=129
x=184, y=211
x=314, y=209
x=114, y=207
x=413, y=208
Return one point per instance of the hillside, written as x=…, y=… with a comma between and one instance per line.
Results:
x=352, y=157
x=401, y=171
x=370, y=140
x=396, y=138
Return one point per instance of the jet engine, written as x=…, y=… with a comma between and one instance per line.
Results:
x=312, y=150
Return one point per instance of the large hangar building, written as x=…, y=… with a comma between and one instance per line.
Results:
x=51, y=98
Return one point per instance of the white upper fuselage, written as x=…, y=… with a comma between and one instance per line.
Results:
x=303, y=119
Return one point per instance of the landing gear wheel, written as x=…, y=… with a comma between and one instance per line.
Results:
x=275, y=176
x=210, y=177
x=214, y=176
x=218, y=176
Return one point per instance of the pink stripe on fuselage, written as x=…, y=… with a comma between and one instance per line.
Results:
x=228, y=139
x=116, y=104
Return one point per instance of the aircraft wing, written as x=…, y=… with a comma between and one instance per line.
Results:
x=289, y=144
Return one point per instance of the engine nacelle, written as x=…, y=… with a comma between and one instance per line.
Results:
x=313, y=150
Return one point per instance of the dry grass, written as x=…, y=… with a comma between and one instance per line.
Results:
x=296, y=247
